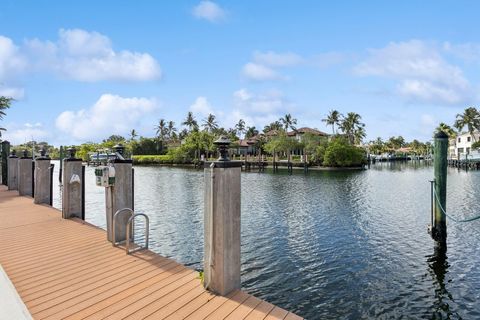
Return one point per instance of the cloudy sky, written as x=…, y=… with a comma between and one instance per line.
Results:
x=82, y=70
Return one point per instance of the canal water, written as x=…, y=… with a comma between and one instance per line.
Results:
x=327, y=245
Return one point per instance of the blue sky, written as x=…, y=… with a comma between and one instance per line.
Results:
x=81, y=70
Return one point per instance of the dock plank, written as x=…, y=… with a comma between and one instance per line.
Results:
x=66, y=269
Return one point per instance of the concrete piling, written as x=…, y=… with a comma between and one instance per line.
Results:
x=43, y=179
x=13, y=171
x=73, y=184
x=119, y=196
x=5, y=150
x=222, y=223
x=25, y=175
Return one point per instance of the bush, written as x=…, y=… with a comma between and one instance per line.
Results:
x=153, y=159
x=340, y=153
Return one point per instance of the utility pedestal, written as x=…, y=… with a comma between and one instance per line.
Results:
x=25, y=175
x=43, y=179
x=13, y=171
x=119, y=196
x=222, y=223
x=73, y=197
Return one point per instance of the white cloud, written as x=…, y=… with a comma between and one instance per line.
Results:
x=89, y=56
x=267, y=103
x=111, y=114
x=210, y=11
x=12, y=61
x=201, y=106
x=423, y=74
x=275, y=59
x=254, y=71
x=12, y=92
x=468, y=52
x=18, y=134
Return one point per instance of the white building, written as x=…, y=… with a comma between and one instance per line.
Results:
x=462, y=145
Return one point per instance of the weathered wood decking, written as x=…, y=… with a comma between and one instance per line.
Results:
x=66, y=269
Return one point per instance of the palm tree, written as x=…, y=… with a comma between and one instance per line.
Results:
x=240, y=127
x=133, y=135
x=288, y=122
x=446, y=129
x=352, y=127
x=161, y=133
x=251, y=132
x=4, y=105
x=171, y=130
x=332, y=119
x=210, y=124
x=276, y=125
x=190, y=122
x=470, y=119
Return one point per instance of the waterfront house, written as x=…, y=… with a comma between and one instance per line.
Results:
x=461, y=146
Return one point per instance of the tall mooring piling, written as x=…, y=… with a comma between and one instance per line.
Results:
x=439, y=194
x=119, y=195
x=73, y=196
x=25, y=175
x=222, y=223
x=43, y=179
x=12, y=169
x=5, y=151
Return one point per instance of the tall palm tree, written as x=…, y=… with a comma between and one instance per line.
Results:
x=240, y=127
x=171, y=130
x=449, y=131
x=353, y=127
x=470, y=119
x=133, y=134
x=276, y=125
x=251, y=132
x=332, y=119
x=190, y=122
x=161, y=133
x=210, y=123
x=288, y=122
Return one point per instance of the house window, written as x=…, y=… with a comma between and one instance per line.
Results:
x=459, y=139
x=469, y=138
x=460, y=150
x=468, y=150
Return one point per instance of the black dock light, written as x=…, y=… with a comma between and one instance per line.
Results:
x=13, y=153
x=222, y=144
x=119, y=148
x=71, y=152
x=43, y=152
x=25, y=153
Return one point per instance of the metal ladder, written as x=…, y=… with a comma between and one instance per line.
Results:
x=129, y=236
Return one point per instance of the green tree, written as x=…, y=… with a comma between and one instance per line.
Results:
x=240, y=127
x=449, y=131
x=190, y=122
x=288, y=122
x=332, y=119
x=5, y=103
x=352, y=127
x=251, y=132
x=210, y=123
x=133, y=135
x=470, y=118
x=171, y=130
x=274, y=126
x=340, y=153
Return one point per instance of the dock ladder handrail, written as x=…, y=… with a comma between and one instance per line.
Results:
x=129, y=230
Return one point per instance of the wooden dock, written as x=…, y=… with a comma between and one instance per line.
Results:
x=66, y=269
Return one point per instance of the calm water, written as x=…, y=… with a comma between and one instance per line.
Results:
x=330, y=244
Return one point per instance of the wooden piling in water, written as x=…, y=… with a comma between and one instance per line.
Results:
x=440, y=172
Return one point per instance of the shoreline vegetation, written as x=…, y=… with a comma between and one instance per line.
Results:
x=281, y=140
